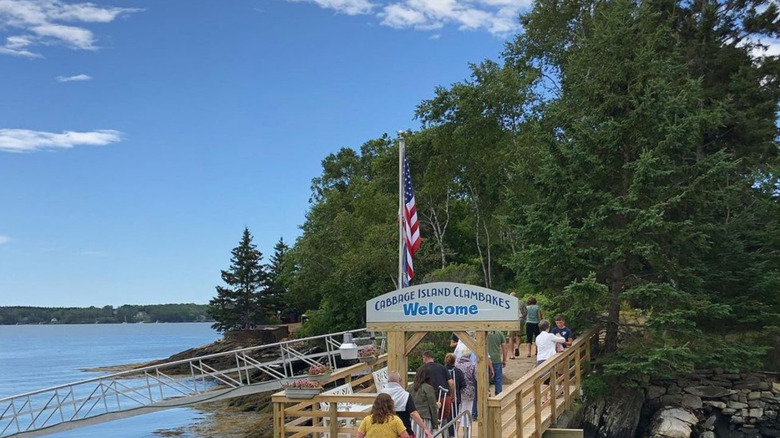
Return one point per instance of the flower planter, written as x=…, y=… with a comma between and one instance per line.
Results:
x=301, y=393
x=319, y=377
x=368, y=359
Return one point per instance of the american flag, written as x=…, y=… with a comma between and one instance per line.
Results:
x=411, y=228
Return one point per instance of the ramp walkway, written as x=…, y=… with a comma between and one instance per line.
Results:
x=168, y=385
x=525, y=409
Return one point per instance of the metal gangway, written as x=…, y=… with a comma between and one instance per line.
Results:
x=167, y=385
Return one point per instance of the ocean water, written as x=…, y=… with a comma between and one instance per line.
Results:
x=40, y=356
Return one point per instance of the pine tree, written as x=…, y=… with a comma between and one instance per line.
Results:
x=239, y=305
x=274, y=298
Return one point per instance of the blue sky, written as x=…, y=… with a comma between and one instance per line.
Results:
x=138, y=138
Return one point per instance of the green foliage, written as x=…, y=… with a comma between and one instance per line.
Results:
x=437, y=342
x=620, y=162
x=456, y=272
x=240, y=305
x=582, y=302
x=594, y=386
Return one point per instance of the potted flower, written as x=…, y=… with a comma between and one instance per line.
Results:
x=301, y=388
x=319, y=373
x=368, y=354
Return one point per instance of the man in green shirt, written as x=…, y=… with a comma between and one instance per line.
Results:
x=497, y=352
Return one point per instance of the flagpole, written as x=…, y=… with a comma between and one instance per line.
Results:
x=401, y=215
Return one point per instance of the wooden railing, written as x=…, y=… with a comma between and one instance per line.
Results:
x=526, y=408
x=295, y=418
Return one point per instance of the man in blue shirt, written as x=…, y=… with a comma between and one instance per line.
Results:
x=565, y=332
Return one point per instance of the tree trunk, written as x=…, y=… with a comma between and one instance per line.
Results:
x=618, y=284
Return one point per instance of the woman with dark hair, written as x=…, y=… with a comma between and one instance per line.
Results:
x=382, y=422
x=534, y=315
x=425, y=400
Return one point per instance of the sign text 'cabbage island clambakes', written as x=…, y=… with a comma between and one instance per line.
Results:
x=442, y=302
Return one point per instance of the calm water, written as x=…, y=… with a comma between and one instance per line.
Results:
x=39, y=356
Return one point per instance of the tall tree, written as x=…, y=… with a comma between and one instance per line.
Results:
x=239, y=305
x=274, y=299
x=651, y=170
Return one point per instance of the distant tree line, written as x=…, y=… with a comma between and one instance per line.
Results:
x=104, y=315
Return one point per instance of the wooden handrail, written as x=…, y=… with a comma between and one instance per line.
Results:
x=523, y=410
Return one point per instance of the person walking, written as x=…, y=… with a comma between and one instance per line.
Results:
x=532, y=323
x=497, y=353
x=546, y=341
x=469, y=392
x=404, y=404
x=425, y=400
x=516, y=337
x=382, y=421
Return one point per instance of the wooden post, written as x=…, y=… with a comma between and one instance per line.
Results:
x=566, y=382
x=483, y=384
x=553, y=393
x=396, y=354
x=537, y=407
x=334, y=419
x=577, y=369
x=277, y=423
x=498, y=421
x=519, y=414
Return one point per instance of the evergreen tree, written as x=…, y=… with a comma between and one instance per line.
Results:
x=239, y=305
x=274, y=300
x=650, y=175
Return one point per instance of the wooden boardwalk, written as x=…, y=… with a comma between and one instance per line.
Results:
x=524, y=409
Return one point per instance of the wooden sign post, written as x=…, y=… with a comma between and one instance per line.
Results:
x=436, y=307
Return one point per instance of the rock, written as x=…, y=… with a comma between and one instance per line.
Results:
x=615, y=416
x=737, y=405
x=710, y=423
x=673, y=389
x=673, y=423
x=756, y=404
x=671, y=400
x=730, y=376
x=763, y=386
x=717, y=371
x=736, y=419
x=771, y=414
x=776, y=387
x=708, y=391
x=766, y=431
x=691, y=401
x=754, y=395
x=655, y=391
x=729, y=411
x=707, y=434
x=715, y=404
x=756, y=412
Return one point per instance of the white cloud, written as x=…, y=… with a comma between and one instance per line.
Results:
x=75, y=78
x=349, y=7
x=4, y=239
x=24, y=140
x=41, y=22
x=499, y=17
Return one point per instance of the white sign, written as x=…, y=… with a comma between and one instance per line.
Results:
x=435, y=302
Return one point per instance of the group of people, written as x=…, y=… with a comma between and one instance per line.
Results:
x=538, y=333
x=404, y=414
x=443, y=391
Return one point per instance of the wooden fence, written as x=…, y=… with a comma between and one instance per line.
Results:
x=525, y=409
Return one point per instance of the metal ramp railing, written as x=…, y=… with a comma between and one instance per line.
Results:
x=168, y=385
